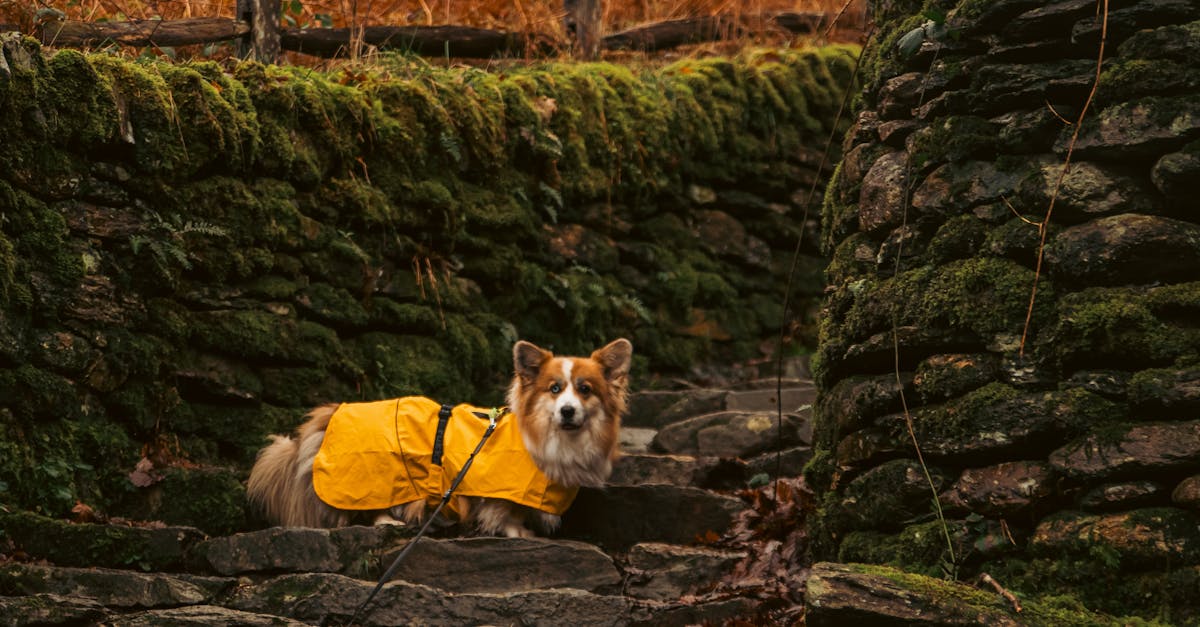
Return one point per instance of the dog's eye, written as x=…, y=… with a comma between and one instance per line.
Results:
x=555, y=388
x=584, y=388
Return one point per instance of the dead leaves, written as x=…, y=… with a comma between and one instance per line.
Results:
x=773, y=534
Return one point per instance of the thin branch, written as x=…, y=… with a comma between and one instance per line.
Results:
x=1057, y=114
x=1037, y=273
x=908, y=418
x=1016, y=213
x=1002, y=591
x=834, y=21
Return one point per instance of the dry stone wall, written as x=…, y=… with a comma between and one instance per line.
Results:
x=1063, y=453
x=190, y=254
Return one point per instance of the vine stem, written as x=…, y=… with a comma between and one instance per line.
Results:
x=1044, y=226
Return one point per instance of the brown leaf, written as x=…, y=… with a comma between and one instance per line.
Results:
x=83, y=513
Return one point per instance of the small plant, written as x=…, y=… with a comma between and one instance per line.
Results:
x=166, y=239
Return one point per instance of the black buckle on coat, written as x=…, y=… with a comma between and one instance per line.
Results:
x=439, y=445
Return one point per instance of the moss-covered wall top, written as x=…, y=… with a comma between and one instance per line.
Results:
x=1058, y=436
x=189, y=253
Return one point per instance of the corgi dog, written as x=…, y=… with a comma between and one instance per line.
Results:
x=391, y=461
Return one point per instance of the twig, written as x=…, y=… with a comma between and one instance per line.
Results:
x=1057, y=114
x=1016, y=213
x=834, y=21
x=908, y=418
x=1045, y=228
x=1012, y=598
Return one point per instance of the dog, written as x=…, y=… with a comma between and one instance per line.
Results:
x=560, y=431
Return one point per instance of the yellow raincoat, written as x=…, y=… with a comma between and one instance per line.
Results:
x=379, y=454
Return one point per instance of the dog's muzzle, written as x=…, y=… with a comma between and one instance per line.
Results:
x=567, y=420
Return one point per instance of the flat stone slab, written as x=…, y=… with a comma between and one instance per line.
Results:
x=48, y=609
x=506, y=565
x=857, y=594
x=1142, y=538
x=730, y=434
x=793, y=398
x=665, y=572
x=111, y=546
x=656, y=409
x=280, y=549
x=617, y=517
x=326, y=598
x=112, y=588
x=643, y=469
x=1142, y=448
x=200, y=616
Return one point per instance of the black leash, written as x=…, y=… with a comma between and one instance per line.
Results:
x=494, y=415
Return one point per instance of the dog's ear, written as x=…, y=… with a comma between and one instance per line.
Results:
x=615, y=358
x=528, y=360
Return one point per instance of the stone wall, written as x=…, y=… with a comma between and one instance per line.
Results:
x=1067, y=459
x=190, y=254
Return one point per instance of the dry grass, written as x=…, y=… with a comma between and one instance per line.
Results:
x=541, y=16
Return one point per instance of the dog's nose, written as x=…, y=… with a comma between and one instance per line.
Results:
x=567, y=412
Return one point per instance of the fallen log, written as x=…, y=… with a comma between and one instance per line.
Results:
x=160, y=33
x=430, y=41
x=690, y=30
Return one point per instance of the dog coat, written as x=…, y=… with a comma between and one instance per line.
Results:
x=384, y=453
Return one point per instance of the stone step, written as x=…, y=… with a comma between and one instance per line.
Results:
x=49, y=609
x=460, y=569
x=679, y=470
x=327, y=598
x=617, y=517
x=200, y=616
x=499, y=565
x=666, y=572
x=658, y=408
x=741, y=434
x=280, y=549
x=112, y=546
x=113, y=588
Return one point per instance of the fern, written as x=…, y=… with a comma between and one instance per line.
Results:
x=556, y=197
x=166, y=239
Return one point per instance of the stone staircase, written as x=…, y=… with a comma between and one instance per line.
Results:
x=632, y=553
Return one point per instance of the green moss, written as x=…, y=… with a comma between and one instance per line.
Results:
x=1126, y=327
x=88, y=545
x=967, y=415
x=259, y=335
x=50, y=465
x=333, y=306
x=976, y=604
x=408, y=365
x=1134, y=78
x=1163, y=597
x=986, y=296
x=213, y=500
x=919, y=548
x=954, y=138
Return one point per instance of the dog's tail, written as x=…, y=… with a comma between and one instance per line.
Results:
x=281, y=479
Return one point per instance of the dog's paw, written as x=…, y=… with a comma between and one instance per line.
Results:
x=518, y=531
x=386, y=519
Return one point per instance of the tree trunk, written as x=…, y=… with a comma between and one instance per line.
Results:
x=584, y=25
x=263, y=18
